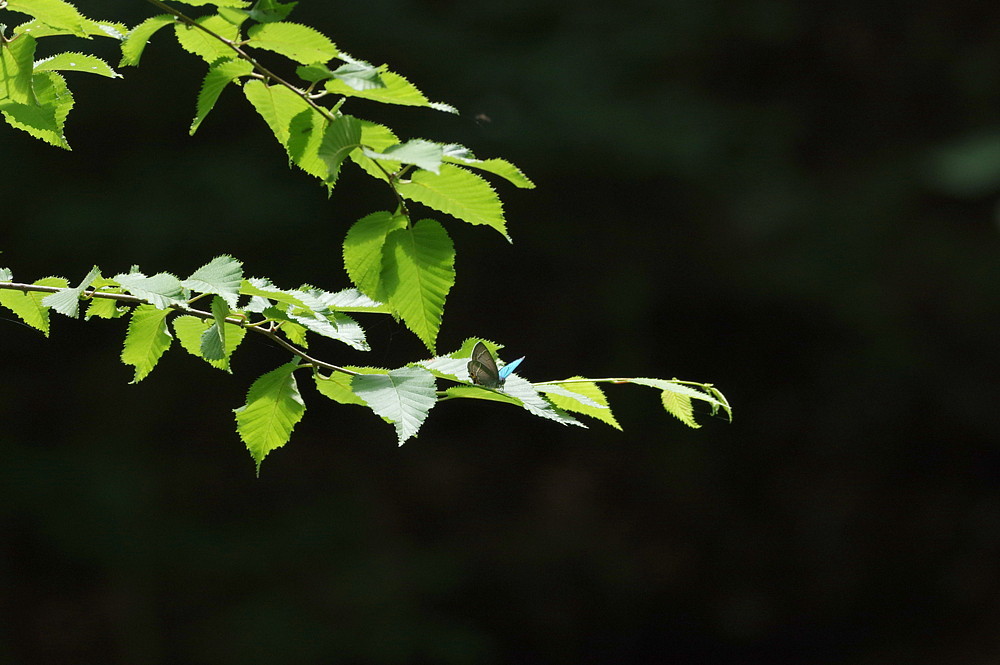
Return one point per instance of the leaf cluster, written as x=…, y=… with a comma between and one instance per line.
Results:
x=399, y=263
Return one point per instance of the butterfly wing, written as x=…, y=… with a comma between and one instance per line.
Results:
x=482, y=367
x=508, y=369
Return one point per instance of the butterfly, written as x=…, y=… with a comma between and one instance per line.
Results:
x=483, y=368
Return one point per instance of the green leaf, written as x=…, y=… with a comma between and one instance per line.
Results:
x=239, y=4
x=45, y=118
x=16, y=67
x=38, y=29
x=28, y=306
x=269, y=11
x=584, y=397
x=676, y=398
x=536, y=403
x=363, y=246
x=213, y=340
x=292, y=40
x=352, y=300
x=277, y=105
x=273, y=408
x=222, y=276
x=359, y=76
x=260, y=287
x=305, y=135
x=161, y=290
x=218, y=77
x=76, y=62
x=104, y=308
x=680, y=406
x=338, y=388
x=67, y=301
x=189, y=331
x=403, y=397
x=203, y=45
x=376, y=137
x=146, y=340
x=340, y=138
x=335, y=326
x=55, y=13
x=479, y=392
x=424, y=154
x=459, y=193
x=395, y=90
x=137, y=38
x=418, y=270
x=459, y=154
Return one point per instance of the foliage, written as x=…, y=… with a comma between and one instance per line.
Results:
x=399, y=266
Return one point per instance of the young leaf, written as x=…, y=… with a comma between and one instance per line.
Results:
x=418, y=270
x=292, y=40
x=273, y=408
x=137, y=38
x=28, y=306
x=203, y=45
x=680, y=406
x=459, y=193
x=76, y=62
x=67, y=301
x=219, y=75
x=146, y=340
x=363, y=250
x=586, y=398
x=676, y=398
x=56, y=13
x=402, y=397
x=421, y=153
x=44, y=119
x=221, y=276
x=161, y=290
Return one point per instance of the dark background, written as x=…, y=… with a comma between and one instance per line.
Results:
x=795, y=201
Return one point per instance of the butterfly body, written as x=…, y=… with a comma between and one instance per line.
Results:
x=483, y=368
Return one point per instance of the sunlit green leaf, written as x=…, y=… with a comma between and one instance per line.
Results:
x=221, y=276
x=458, y=193
x=272, y=409
x=402, y=397
x=219, y=75
x=137, y=38
x=418, y=270
x=146, y=340
x=292, y=40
